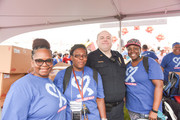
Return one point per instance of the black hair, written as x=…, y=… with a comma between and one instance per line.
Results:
x=40, y=43
x=76, y=46
x=59, y=54
x=145, y=47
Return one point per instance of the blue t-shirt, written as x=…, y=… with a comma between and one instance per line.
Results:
x=149, y=54
x=91, y=91
x=34, y=98
x=55, y=61
x=170, y=63
x=139, y=86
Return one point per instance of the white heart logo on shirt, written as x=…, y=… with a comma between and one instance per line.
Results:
x=177, y=61
x=130, y=72
x=86, y=86
x=51, y=89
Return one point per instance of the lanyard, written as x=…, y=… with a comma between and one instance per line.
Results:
x=80, y=91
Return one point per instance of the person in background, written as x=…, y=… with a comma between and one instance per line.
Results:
x=110, y=64
x=34, y=96
x=161, y=55
x=144, y=90
x=57, y=59
x=147, y=53
x=171, y=61
x=66, y=58
x=125, y=54
x=158, y=51
x=82, y=88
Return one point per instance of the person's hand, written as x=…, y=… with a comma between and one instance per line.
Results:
x=152, y=115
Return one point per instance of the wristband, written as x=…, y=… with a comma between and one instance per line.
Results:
x=103, y=118
x=154, y=111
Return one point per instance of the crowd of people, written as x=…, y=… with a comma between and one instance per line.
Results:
x=96, y=86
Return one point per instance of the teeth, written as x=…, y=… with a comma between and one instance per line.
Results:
x=133, y=55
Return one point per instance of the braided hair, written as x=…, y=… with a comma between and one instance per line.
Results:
x=40, y=43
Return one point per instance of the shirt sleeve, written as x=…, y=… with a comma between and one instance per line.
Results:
x=17, y=103
x=155, y=71
x=100, y=89
x=154, y=56
x=164, y=61
x=58, y=80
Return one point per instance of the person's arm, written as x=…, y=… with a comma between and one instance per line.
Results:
x=101, y=107
x=162, y=68
x=16, y=105
x=157, y=61
x=158, y=92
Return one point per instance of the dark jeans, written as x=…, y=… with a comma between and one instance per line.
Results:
x=116, y=112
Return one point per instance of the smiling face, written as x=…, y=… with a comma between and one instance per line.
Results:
x=176, y=49
x=134, y=52
x=79, y=59
x=104, y=41
x=41, y=68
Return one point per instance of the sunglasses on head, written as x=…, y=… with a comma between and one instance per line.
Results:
x=40, y=62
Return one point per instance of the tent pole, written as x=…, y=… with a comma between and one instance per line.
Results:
x=120, y=40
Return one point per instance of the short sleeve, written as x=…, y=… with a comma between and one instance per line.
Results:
x=164, y=61
x=155, y=71
x=17, y=103
x=58, y=80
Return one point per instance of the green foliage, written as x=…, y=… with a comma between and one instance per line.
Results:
x=126, y=115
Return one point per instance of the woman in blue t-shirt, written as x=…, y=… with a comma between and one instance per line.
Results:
x=34, y=96
x=83, y=92
x=144, y=89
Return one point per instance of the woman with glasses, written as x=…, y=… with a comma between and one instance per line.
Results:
x=34, y=96
x=84, y=93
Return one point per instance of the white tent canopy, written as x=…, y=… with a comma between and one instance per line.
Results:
x=20, y=16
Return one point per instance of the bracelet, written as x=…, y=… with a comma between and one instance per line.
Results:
x=154, y=111
x=103, y=118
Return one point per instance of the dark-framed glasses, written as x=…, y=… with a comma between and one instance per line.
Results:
x=80, y=56
x=40, y=62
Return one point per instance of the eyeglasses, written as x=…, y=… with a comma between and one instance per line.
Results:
x=80, y=56
x=40, y=62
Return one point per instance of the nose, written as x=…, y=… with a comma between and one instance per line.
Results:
x=81, y=57
x=44, y=64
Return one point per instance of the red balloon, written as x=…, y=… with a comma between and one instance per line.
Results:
x=124, y=31
x=149, y=29
x=136, y=28
x=160, y=37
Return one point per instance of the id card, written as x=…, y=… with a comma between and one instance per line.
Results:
x=76, y=110
x=75, y=106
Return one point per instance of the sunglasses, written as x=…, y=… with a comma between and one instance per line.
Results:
x=40, y=62
x=80, y=56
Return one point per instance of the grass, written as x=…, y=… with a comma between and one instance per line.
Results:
x=126, y=115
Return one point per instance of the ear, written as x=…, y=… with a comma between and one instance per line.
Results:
x=32, y=63
x=71, y=58
x=96, y=42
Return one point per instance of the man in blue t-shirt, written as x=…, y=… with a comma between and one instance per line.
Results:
x=147, y=53
x=171, y=62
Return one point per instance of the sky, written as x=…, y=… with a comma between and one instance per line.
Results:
x=61, y=39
